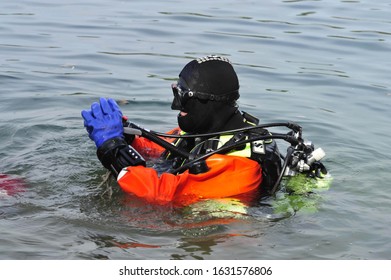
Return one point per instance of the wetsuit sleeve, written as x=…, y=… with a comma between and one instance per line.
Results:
x=149, y=149
x=115, y=154
x=227, y=176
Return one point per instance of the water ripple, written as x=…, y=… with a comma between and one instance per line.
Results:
x=323, y=64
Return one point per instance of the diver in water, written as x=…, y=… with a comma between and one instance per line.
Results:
x=217, y=151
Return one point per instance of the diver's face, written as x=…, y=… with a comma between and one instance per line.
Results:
x=192, y=111
x=195, y=116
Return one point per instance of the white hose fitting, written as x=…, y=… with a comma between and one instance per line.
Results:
x=316, y=155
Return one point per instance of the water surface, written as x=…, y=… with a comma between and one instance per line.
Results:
x=323, y=64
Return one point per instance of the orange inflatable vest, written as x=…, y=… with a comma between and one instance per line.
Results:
x=228, y=175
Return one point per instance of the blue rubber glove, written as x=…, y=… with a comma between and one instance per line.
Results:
x=104, y=121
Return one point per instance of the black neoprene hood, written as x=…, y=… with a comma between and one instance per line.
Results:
x=211, y=74
x=215, y=77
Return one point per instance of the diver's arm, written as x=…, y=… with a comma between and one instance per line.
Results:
x=104, y=126
x=115, y=154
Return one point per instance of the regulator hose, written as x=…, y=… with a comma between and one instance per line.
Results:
x=288, y=157
x=295, y=127
x=289, y=138
x=154, y=138
x=134, y=129
x=294, y=137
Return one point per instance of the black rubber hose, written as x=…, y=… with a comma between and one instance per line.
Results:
x=151, y=136
x=285, y=164
x=228, y=148
x=295, y=127
x=172, y=148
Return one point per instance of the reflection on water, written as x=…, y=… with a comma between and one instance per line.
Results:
x=323, y=64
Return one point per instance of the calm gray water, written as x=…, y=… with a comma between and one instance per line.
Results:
x=324, y=64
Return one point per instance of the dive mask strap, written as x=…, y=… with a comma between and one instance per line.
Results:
x=227, y=97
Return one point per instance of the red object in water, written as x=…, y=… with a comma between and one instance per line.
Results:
x=11, y=185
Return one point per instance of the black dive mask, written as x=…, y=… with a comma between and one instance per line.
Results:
x=181, y=96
